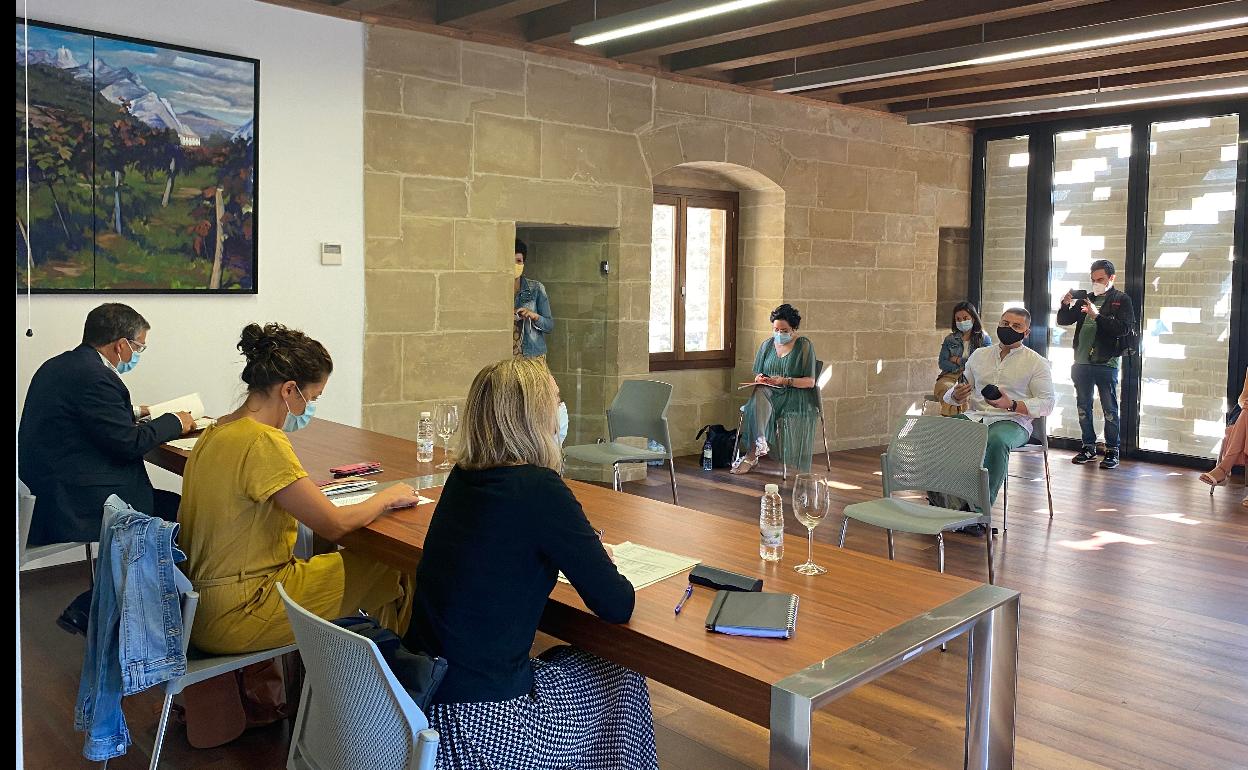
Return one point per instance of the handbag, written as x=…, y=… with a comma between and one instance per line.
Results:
x=418, y=672
x=722, y=441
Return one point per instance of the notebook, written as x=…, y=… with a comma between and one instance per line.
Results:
x=753, y=614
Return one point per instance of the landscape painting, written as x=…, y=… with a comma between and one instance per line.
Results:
x=142, y=165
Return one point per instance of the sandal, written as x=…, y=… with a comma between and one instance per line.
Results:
x=744, y=465
x=1212, y=480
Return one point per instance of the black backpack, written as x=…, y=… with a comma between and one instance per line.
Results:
x=721, y=440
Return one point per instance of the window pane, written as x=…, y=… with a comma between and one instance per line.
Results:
x=1187, y=284
x=1005, y=228
x=662, y=268
x=1089, y=223
x=706, y=241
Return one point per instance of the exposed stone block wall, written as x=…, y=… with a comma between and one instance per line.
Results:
x=465, y=141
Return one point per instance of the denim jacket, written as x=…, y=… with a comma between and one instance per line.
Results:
x=134, y=636
x=952, y=346
x=532, y=295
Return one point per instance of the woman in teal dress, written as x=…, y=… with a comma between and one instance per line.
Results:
x=782, y=418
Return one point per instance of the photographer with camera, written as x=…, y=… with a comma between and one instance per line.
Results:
x=1104, y=322
x=1004, y=387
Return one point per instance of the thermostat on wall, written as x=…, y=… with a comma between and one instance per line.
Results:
x=331, y=253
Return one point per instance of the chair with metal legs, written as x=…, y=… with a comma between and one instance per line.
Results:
x=930, y=454
x=1040, y=437
x=26, y=513
x=639, y=410
x=822, y=377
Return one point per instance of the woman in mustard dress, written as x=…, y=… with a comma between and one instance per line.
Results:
x=783, y=417
x=244, y=494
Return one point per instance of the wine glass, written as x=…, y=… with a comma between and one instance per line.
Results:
x=811, y=502
x=446, y=422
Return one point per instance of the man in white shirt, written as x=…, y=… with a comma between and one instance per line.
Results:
x=1026, y=383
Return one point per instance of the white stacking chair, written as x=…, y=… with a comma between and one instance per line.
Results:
x=26, y=513
x=353, y=712
x=1040, y=435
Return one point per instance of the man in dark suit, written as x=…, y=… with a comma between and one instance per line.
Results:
x=81, y=439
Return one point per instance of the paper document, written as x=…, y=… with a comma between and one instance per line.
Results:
x=757, y=385
x=185, y=444
x=353, y=499
x=191, y=403
x=644, y=566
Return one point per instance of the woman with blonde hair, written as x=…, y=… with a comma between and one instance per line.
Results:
x=503, y=529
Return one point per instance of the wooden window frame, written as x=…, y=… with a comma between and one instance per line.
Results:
x=678, y=358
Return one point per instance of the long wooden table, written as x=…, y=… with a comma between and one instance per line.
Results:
x=865, y=617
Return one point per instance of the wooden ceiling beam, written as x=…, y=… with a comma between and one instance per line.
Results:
x=877, y=27
x=1051, y=70
x=463, y=13
x=763, y=19
x=553, y=26
x=1163, y=75
x=1054, y=21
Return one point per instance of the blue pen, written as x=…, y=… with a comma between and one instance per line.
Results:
x=685, y=598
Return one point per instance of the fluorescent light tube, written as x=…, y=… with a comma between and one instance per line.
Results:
x=668, y=14
x=1204, y=89
x=1096, y=36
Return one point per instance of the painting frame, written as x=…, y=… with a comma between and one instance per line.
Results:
x=254, y=204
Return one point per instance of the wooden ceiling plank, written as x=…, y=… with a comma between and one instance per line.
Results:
x=763, y=19
x=553, y=26
x=468, y=12
x=877, y=27
x=1046, y=71
x=1070, y=18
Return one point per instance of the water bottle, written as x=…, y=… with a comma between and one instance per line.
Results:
x=424, y=439
x=771, y=524
x=707, y=454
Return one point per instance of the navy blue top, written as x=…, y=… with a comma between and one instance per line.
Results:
x=496, y=542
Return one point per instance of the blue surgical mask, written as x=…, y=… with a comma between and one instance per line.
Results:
x=562, y=414
x=296, y=422
x=966, y=326
x=782, y=338
x=125, y=366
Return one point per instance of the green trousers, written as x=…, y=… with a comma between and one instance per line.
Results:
x=1003, y=436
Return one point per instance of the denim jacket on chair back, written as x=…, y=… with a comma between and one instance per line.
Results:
x=134, y=636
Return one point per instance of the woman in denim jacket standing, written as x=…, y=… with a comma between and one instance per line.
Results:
x=966, y=335
x=534, y=319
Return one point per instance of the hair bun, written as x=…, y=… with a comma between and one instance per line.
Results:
x=257, y=341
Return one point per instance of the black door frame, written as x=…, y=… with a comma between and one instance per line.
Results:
x=1036, y=259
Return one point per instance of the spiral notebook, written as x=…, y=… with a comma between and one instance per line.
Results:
x=753, y=614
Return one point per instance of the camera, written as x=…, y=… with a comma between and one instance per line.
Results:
x=990, y=392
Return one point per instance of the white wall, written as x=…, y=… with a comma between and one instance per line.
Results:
x=310, y=190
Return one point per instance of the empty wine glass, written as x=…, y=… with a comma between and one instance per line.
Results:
x=446, y=422
x=811, y=503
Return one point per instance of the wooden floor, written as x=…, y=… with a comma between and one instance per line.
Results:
x=1134, y=636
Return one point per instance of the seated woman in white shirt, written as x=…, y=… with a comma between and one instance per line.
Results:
x=1026, y=383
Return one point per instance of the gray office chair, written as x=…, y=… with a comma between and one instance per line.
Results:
x=1039, y=435
x=25, y=514
x=639, y=410
x=930, y=454
x=353, y=712
x=822, y=377
x=200, y=667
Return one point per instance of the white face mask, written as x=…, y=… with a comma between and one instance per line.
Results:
x=1099, y=289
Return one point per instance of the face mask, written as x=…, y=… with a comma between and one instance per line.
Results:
x=563, y=422
x=519, y=268
x=1100, y=288
x=965, y=326
x=296, y=422
x=782, y=338
x=1008, y=335
x=125, y=366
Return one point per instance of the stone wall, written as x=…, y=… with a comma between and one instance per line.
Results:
x=465, y=141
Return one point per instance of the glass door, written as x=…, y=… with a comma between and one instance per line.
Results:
x=1189, y=253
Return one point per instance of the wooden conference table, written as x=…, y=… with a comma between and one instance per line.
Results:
x=864, y=618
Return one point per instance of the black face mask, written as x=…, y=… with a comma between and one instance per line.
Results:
x=1008, y=336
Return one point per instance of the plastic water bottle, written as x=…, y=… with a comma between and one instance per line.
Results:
x=424, y=439
x=771, y=524
x=707, y=454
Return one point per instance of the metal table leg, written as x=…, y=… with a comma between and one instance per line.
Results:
x=991, y=688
